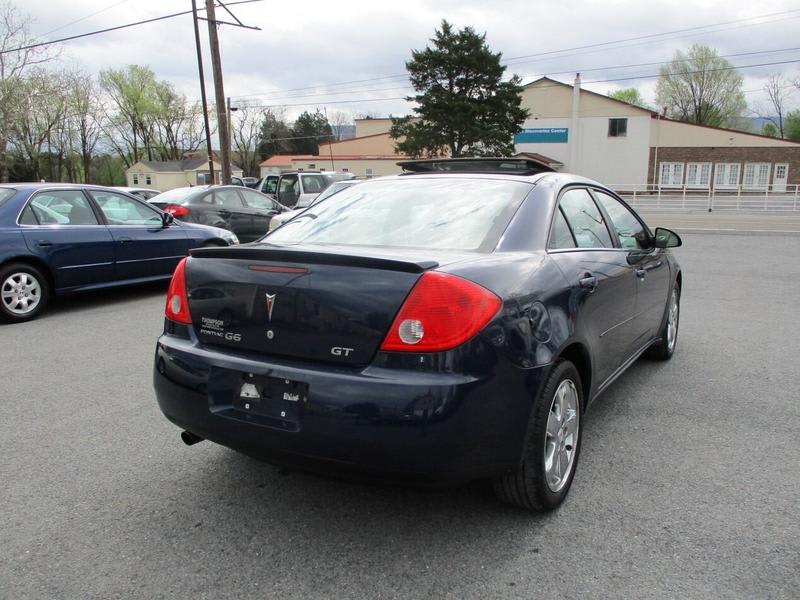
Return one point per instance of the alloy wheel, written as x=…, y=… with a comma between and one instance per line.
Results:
x=561, y=436
x=672, y=321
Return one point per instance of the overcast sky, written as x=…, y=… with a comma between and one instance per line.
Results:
x=317, y=45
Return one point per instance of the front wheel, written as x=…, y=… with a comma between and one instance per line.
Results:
x=542, y=480
x=664, y=348
x=24, y=292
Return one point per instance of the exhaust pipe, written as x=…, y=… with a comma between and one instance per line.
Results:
x=189, y=438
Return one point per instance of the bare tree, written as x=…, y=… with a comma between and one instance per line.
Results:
x=177, y=124
x=338, y=120
x=83, y=121
x=16, y=57
x=778, y=90
x=246, y=124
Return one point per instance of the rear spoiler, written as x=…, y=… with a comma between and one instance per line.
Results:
x=269, y=253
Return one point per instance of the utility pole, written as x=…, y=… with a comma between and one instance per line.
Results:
x=219, y=94
x=230, y=126
x=203, y=92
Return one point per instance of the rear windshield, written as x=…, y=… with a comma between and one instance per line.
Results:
x=5, y=194
x=410, y=212
x=178, y=195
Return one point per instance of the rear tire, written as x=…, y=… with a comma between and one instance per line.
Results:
x=664, y=348
x=543, y=478
x=24, y=292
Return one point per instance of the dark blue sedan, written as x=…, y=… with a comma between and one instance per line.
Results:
x=431, y=327
x=62, y=238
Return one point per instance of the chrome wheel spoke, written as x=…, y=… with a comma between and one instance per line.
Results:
x=561, y=435
x=21, y=293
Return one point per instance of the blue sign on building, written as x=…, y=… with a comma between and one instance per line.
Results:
x=542, y=135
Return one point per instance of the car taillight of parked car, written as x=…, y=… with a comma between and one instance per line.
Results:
x=176, y=210
x=441, y=312
x=177, y=308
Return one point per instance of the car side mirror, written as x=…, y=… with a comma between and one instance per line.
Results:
x=666, y=238
x=167, y=219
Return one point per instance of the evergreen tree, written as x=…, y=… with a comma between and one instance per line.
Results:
x=309, y=130
x=465, y=107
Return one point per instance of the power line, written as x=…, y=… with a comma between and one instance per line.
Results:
x=280, y=98
x=116, y=28
x=652, y=35
x=89, y=16
x=551, y=52
x=641, y=76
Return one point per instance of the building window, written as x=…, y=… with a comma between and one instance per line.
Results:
x=312, y=165
x=148, y=180
x=135, y=179
x=780, y=172
x=756, y=176
x=726, y=175
x=617, y=127
x=698, y=175
x=369, y=173
x=345, y=170
x=671, y=174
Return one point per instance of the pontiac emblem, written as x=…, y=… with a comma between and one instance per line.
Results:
x=270, y=305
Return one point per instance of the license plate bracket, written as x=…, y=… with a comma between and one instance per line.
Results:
x=271, y=397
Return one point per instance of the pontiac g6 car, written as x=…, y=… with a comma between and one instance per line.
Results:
x=438, y=326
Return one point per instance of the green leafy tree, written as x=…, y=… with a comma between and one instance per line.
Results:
x=770, y=130
x=308, y=131
x=701, y=87
x=791, y=126
x=464, y=106
x=629, y=95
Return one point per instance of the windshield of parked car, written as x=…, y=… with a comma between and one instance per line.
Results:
x=5, y=194
x=410, y=212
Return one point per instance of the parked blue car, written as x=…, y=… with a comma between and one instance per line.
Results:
x=64, y=238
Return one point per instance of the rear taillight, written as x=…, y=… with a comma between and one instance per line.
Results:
x=441, y=312
x=177, y=308
x=176, y=210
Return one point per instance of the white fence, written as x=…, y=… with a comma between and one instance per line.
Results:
x=644, y=197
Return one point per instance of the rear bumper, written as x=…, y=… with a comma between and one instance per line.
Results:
x=379, y=423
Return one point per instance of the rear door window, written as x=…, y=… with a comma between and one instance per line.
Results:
x=585, y=219
x=63, y=207
x=228, y=198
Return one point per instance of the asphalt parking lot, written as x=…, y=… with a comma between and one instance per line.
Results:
x=687, y=485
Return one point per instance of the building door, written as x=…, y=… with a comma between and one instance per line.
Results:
x=780, y=177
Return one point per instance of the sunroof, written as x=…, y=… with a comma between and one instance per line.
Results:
x=514, y=166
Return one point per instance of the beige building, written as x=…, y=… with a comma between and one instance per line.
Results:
x=171, y=174
x=366, y=156
x=621, y=144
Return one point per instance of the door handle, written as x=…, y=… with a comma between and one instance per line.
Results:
x=125, y=240
x=44, y=243
x=641, y=273
x=589, y=282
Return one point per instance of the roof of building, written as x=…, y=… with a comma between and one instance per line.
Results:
x=286, y=159
x=541, y=158
x=323, y=159
x=175, y=166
